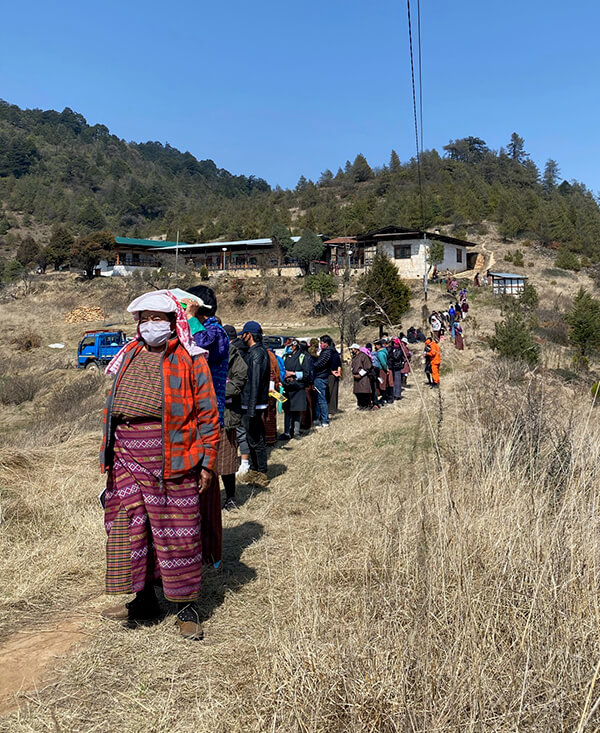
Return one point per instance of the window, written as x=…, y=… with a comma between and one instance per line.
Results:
x=402, y=252
x=458, y=254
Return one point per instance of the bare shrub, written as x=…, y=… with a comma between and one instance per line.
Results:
x=552, y=326
x=26, y=341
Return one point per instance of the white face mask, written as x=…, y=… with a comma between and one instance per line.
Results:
x=155, y=333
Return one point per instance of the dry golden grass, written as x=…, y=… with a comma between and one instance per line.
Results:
x=430, y=567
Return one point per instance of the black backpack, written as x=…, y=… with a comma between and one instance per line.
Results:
x=397, y=359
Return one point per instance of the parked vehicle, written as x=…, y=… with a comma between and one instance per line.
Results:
x=97, y=348
x=275, y=343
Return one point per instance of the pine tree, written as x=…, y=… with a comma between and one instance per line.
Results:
x=87, y=252
x=301, y=185
x=188, y=234
x=516, y=148
x=583, y=319
x=361, y=170
x=385, y=297
x=326, y=178
x=90, y=216
x=308, y=248
x=282, y=241
x=513, y=339
x=551, y=173
x=395, y=165
x=59, y=246
x=323, y=285
x=28, y=252
x=567, y=260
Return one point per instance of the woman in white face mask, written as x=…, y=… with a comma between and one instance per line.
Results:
x=155, y=329
x=161, y=435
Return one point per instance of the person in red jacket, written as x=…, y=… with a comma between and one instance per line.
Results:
x=161, y=434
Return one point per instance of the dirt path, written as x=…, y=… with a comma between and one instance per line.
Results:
x=491, y=258
x=27, y=658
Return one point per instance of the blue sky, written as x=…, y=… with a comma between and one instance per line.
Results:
x=280, y=89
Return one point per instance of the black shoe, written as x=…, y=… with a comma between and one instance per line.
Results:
x=143, y=610
x=284, y=436
x=229, y=504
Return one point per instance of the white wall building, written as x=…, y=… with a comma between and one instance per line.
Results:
x=407, y=249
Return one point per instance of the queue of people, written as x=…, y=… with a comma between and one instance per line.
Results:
x=193, y=400
x=380, y=371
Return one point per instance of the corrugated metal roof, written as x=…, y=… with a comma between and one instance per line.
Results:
x=237, y=243
x=392, y=232
x=146, y=242
x=508, y=275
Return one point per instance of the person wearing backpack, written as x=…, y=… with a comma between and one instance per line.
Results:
x=396, y=364
x=297, y=377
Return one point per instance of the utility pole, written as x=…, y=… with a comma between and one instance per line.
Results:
x=177, y=255
x=345, y=280
x=425, y=278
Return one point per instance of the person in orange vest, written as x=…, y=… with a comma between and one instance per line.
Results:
x=433, y=357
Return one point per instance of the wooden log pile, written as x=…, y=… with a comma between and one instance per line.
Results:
x=85, y=314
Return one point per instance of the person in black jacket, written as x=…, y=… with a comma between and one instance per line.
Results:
x=334, y=380
x=307, y=417
x=242, y=437
x=255, y=399
x=227, y=460
x=322, y=372
x=396, y=364
x=297, y=377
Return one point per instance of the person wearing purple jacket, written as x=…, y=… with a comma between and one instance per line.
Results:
x=208, y=333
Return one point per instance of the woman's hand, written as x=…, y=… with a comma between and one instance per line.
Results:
x=206, y=477
x=191, y=309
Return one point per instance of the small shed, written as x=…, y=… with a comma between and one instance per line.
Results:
x=507, y=283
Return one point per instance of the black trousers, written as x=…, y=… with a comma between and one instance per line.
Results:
x=255, y=433
x=363, y=399
x=334, y=386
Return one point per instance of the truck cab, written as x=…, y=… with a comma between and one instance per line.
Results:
x=97, y=348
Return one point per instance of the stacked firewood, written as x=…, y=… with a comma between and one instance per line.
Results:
x=84, y=314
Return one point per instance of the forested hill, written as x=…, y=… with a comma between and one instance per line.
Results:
x=57, y=169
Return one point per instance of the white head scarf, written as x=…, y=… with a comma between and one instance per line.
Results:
x=164, y=302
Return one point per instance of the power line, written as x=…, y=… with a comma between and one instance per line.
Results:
x=414, y=96
x=420, y=75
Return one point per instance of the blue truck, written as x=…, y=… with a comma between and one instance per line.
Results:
x=97, y=348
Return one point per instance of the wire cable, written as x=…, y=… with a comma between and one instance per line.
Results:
x=414, y=96
x=420, y=74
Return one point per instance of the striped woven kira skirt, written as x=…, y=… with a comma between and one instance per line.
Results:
x=153, y=525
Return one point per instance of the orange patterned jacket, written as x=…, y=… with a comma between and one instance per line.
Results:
x=190, y=419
